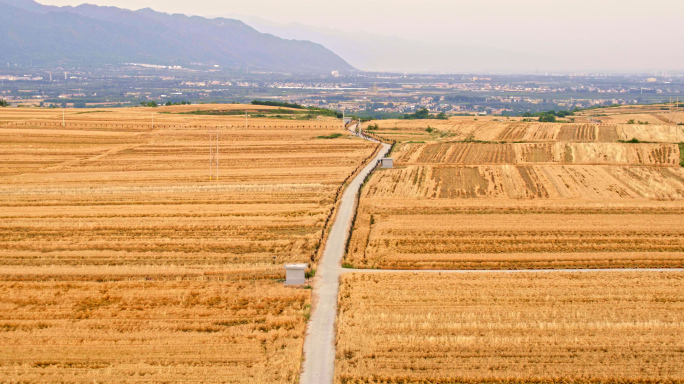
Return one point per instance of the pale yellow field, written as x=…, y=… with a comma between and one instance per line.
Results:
x=511, y=328
x=109, y=206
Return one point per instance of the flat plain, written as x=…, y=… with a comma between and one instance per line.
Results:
x=120, y=260
x=592, y=327
x=470, y=194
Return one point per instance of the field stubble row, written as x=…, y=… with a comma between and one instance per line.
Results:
x=513, y=328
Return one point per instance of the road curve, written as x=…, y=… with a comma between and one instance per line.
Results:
x=319, y=344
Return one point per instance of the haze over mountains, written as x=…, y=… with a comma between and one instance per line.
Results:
x=377, y=52
x=94, y=35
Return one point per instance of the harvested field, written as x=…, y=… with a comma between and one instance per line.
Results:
x=581, y=133
x=115, y=196
x=422, y=217
x=529, y=153
x=121, y=260
x=522, y=241
x=500, y=130
x=179, y=329
x=562, y=201
x=663, y=133
x=525, y=182
x=514, y=328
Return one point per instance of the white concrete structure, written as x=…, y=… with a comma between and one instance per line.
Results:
x=295, y=274
x=387, y=162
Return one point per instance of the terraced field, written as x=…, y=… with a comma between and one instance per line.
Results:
x=498, y=129
x=533, y=153
x=120, y=259
x=572, y=200
x=514, y=328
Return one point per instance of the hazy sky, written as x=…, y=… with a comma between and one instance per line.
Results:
x=577, y=34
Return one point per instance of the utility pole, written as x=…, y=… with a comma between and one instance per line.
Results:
x=213, y=154
x=63, y=124
x=246, y=119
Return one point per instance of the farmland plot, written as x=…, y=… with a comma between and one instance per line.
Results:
x=420, y=217
x=515, y=328
x=180, y=328
x=120, y=260
x=526, y=153
x=460, y=129
x=563, y=203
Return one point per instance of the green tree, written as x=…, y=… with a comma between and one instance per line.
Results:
x=4, y=103
x=545, y=117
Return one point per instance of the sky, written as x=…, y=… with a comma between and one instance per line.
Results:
x=561, y=35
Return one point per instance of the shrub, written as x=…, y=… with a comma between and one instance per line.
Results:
x=330, y=136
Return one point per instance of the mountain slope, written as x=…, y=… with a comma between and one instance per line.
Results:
x=96, y=35
x=375, y=52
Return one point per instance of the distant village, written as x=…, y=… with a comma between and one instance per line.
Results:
x=374, y=94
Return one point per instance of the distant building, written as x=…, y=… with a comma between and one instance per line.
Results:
x=387, y=162
x=295, y=274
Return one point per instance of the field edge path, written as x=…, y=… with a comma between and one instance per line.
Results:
x=319, y=343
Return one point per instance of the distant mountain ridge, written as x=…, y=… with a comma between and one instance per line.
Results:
x=94, y=35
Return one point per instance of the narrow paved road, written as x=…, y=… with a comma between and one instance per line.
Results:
x=319, y=345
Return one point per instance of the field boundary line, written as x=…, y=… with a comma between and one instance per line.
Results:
x=457, y=271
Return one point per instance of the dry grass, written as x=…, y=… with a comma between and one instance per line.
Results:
x=120, y=261
x=512, y=328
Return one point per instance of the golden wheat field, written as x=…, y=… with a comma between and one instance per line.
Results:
x=118, y=253
x=627, y=327
x=568, y=197
x=613, y=125
x=158, y=330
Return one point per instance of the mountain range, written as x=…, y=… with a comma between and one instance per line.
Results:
x=95, y=35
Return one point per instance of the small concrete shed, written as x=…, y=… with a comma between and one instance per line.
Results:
x=387, y=162
x=295, y=274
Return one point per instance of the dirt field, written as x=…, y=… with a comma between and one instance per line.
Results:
x=566, y=196
x=514, y=328
x=110, y=206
